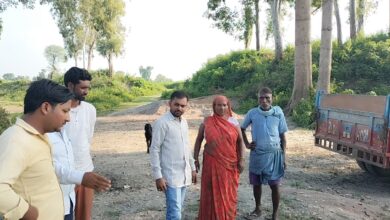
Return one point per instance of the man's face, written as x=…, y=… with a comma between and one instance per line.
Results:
x=178, y=106
x=81, y=89
x=265, y=100
x=58, y=116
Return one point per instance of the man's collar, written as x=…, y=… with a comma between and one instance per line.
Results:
x=21, y=123
x=172, y=117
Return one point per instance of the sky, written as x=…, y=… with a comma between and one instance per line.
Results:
x=172, y=36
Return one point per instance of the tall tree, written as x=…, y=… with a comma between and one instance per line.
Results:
x=302, y=66
x=275, y=16
x=238, y=24
x=111, y=33
x=360, y=15
x=352, y=19
x=146, y=72
x=323, y=82
x=54, y=55
x=67, y=16
x=338, y=23
x=257, y=24
x=249, y=20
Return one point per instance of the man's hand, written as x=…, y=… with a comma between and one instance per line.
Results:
x=197, y=165
x=161, y=184
x=31, y=214
x=251, y=146
x=193, y=177
x=96, y=182
x=241, y=165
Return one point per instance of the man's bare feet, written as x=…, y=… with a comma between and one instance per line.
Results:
x=275, y=216
x=255, y=214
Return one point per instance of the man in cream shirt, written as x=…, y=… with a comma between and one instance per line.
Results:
x=29, y=188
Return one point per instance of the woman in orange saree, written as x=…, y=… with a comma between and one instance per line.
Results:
x=223, y=160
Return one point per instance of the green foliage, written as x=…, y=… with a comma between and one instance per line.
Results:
x=361, y=66
x=4, y=120
x=108, y=93
x=304, y=114
x=13, y=90
x=54, y=55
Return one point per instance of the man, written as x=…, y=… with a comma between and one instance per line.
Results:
x=172, y=163
x=80, y=130
x=29, y=187
x=68, y=176
x=268, y=147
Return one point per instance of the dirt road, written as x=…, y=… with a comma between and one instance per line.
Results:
x=318, y=185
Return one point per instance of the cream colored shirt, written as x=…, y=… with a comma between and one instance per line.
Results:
x=27, y=174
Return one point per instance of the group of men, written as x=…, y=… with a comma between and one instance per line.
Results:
x=57, y=128
x=46, y=169
x=173, y=166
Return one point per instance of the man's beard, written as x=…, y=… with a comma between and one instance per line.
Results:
x=79, y=97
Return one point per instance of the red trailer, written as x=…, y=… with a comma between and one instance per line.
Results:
x=356, y=126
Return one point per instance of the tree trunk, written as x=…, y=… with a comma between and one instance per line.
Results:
x=75, y=60
x=248, y=32
x=90, y=54
x=275, y=13
x=352, y=19
x=360, y=15
x=302, y=67
x=323, y=82
x=110, y=65
x=257, y=25
x=338, y=23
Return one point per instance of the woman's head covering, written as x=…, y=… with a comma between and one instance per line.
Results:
x=229, y=111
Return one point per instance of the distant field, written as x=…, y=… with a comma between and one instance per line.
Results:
x=12, y=107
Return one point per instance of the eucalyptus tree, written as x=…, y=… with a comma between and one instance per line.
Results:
x=302, y=57
x=54, y=55
x=365, y=8
x=275, y=17
x=338, y=22
x=237, y=23
x=68, y=19
x=110, y=31
x=323, y=82
x=352, y=19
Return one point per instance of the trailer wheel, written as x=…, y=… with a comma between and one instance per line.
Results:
x=378, y=171
x=362, y=165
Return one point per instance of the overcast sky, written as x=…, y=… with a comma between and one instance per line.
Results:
x=172, y=36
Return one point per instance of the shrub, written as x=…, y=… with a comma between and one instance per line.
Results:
x=4, y=120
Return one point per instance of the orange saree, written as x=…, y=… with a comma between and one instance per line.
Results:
x=218, y=198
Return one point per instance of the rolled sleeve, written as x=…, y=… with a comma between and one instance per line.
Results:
x=19, y=211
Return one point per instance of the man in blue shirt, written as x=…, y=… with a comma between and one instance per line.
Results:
x=268, y=147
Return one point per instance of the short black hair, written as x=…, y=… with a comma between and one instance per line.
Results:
x=75, y=74
x=45, y=90
x=265, y=90
x=179, y=95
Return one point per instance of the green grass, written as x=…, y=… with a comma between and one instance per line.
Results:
x=139, y=101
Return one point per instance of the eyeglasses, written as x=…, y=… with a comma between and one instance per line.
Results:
x=265, y=97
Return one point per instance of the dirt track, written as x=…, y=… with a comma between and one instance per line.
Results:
x=318, y=185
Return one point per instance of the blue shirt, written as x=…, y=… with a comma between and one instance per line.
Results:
x=267, y=126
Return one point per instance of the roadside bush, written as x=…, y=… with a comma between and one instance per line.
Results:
x=4, y=120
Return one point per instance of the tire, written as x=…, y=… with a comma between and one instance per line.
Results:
x=378, y=171
x=362, y=165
